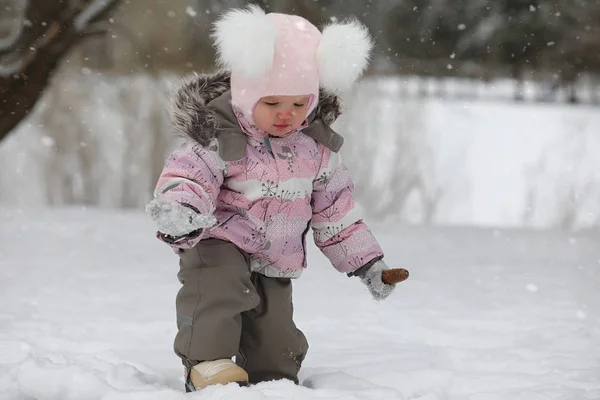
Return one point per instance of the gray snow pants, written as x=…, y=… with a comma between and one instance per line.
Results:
x=224, y=310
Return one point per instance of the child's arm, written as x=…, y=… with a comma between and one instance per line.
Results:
x=186, y=194
x=341, y=234
x=337, y=222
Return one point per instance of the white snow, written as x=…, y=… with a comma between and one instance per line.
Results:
x=486, y=163
x=87, y=312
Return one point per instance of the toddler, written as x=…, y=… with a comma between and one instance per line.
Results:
x=260, y=166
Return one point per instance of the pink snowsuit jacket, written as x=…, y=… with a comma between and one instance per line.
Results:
x=265, y=192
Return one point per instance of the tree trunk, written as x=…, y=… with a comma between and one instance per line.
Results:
x=55, y=29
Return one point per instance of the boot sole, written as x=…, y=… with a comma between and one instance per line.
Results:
x=190, y=388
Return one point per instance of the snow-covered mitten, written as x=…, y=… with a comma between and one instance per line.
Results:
x=175, y=219
x=373, y=279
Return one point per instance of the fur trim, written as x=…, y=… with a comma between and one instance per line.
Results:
x=192, y=118
x=245, y=40
x=329, y=107
x=343, y=54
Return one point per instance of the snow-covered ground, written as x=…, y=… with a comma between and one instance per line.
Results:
x=87, y=312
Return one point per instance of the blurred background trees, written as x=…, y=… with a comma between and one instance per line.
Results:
x=553, y=41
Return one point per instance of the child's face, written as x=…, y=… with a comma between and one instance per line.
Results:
x=279, y=115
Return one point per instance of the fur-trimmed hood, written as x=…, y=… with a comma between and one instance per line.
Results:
x=201, y=111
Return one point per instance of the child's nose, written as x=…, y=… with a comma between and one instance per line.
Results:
x=286, y=114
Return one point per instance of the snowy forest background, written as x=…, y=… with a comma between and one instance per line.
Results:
x=473, y=112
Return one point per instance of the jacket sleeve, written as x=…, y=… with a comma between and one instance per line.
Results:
x=192, y=175
x=337, y=221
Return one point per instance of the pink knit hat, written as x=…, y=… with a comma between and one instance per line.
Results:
x=279, y=54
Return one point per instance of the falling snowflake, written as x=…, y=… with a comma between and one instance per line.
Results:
x=532, y=288
x=48, y=141
x=191, y=12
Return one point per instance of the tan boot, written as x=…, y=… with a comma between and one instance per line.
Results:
x=218, y=372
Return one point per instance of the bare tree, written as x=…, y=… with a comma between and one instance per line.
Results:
x=36, y=35
x=575, y=52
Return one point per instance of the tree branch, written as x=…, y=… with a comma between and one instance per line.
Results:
x=93, y=12
x=8, y=43
x=18, y=19
x=25, y=72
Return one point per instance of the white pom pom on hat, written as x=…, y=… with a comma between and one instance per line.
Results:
x=343, y=54
x=281, y=54
x=245, y=39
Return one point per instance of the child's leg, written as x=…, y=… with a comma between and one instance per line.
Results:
x=216, y=289
x=271, y=347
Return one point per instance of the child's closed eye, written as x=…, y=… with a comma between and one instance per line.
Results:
x=270, y=103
